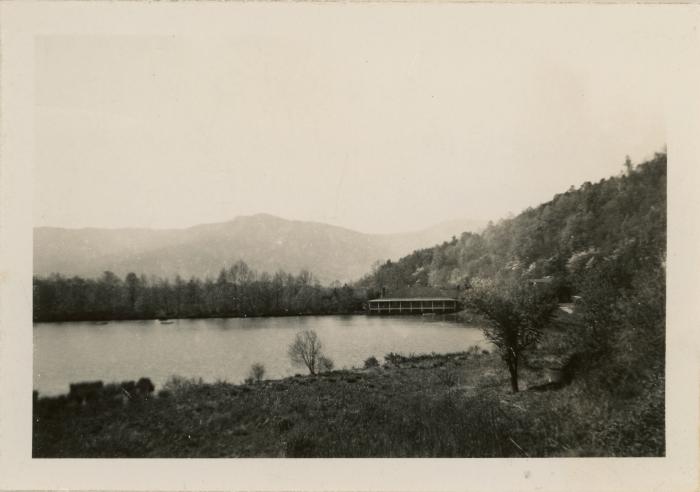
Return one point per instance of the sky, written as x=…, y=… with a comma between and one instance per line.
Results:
x=379, y=120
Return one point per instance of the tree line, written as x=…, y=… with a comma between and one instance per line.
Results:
x=238, y=291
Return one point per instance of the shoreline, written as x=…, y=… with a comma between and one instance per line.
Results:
x=160, y=318
x=431, y=405
x=463, y=316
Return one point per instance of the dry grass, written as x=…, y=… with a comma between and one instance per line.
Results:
x=425, y=406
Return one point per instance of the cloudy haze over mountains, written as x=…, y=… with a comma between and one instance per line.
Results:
x=267, y=243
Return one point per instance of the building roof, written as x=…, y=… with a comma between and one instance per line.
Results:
x=388, y=299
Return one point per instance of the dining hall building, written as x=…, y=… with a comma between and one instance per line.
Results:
x=412, y=305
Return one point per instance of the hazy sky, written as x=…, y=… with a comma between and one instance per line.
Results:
x=377, y=120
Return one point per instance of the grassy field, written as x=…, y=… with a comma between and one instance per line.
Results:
x=449, y=405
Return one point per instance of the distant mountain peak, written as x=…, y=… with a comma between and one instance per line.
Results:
x=265, y=241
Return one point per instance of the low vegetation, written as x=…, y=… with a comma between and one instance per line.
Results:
x=371, y=362
x=433, y=405
x=256, y=373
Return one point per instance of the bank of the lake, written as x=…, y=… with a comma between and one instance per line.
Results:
x=225, y=348
x=454, y=405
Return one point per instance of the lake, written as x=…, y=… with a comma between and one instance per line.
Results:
x=225, y=348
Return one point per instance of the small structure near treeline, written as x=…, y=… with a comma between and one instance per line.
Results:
x=416, y=300
x=414, y=305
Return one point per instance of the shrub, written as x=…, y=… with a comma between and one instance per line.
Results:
x=176, y=384
x=145, y=387
x=371, y=362
x=256, y=373
x=394, y=359
x=325, y=364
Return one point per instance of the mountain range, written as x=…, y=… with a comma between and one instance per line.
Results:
x=265, y=242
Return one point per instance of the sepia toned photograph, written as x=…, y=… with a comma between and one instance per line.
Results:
x=402, y=232
x=396, y=242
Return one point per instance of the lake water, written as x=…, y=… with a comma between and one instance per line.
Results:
x=224, y=349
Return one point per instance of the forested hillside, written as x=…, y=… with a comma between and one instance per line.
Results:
x=620, y=220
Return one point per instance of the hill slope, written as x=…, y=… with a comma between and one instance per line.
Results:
x=620, y=219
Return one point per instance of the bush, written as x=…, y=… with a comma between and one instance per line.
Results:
x=256, y=373
x=371, y=362
x=176, y=384
x=394, y=359
x=145, y=387
x=325, y=364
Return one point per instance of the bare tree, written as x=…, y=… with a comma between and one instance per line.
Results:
x=517, y=313
x=306, y=350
